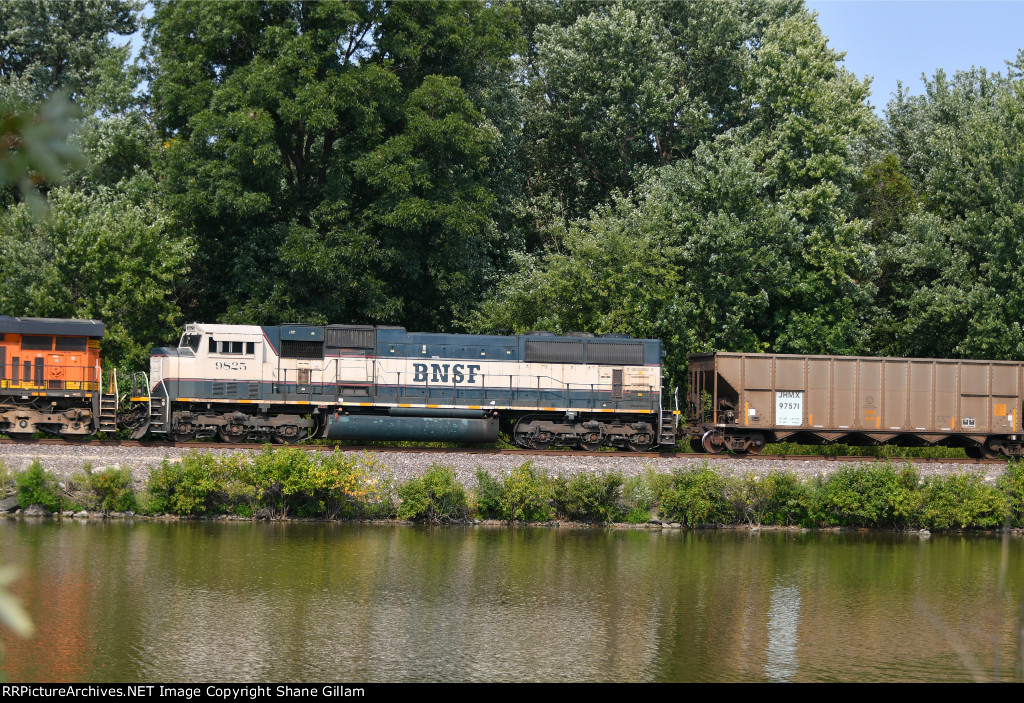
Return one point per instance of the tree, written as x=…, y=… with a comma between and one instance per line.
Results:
x=612, y=90
x=108, y=256
x=329, y=157
x=959, y=252
x=750, y=242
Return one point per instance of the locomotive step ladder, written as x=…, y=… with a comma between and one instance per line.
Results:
x=108, y=412
x=158, y=415
x=667, y=431
x=107, y=419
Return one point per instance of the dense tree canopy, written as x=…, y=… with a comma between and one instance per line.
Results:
x=703, y=172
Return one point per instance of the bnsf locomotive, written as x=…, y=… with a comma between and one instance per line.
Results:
x=286, y=383
x=50, y=378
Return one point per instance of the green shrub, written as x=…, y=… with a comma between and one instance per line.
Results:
x=698, y=497
x=775, y=499
x=1011, y=483
x=436, y=497
x=638, y=516
x=639, y=492
x=6, y=479
x=112, y=489
x=196, y=486
x=962, y=501
x=866, y=496
x=34, y=486
x=526, y=494
x=588, y=497
x=490, y=495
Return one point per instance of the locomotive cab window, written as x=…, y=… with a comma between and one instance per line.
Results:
x=190, y=341
x=221, y=347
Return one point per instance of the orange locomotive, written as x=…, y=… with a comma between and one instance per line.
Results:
x=50, y=378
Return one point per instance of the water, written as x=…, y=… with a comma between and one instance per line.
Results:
x=220, y=601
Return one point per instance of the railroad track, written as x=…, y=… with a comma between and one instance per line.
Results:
x=219, y=446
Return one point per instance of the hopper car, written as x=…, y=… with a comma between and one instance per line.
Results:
x=741, y=402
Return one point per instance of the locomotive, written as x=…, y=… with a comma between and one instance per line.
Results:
x=290, y=382
x=51, y=380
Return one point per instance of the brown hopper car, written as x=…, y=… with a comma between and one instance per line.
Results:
x=740, y=402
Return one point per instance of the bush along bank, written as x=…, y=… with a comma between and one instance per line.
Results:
x=294, y=483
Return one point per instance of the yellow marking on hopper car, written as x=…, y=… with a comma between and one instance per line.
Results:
x=810, y=419
x=746, y=413
x=433, y=406
x=475, y=407
x=1013, y=418
x=404, y=405
x=878, y=422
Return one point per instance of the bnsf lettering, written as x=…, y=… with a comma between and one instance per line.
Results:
x=440, y=373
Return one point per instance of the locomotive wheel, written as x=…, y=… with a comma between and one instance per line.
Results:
x=231, y=434
x=522, y=437
x=590, y=442
x=542, y=440
x=641, y=444
x=295, y=436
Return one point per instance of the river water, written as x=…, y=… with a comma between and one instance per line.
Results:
x=231, y=601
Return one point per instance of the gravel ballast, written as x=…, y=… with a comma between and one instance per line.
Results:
x=65, y=460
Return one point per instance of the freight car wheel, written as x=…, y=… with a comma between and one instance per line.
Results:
x=988, y=452
x=757, y=444
x=973, y=452
x=20, y=436
x=707, y=441
x=696, y=446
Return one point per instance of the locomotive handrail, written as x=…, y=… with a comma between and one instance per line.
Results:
x=54, y=377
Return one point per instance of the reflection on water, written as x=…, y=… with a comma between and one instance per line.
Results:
x=783, y=618
x=268, y=602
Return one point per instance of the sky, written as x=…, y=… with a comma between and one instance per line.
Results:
x=898, y=40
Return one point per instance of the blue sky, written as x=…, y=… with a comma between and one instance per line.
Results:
x=895, y=40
